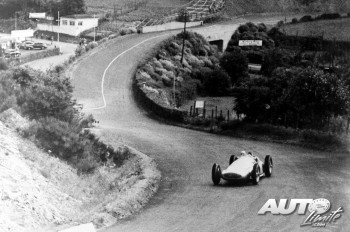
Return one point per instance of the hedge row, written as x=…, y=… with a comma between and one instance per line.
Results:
x=311, y=43
x=167, y=113
x=309, y=18
x=35, y=56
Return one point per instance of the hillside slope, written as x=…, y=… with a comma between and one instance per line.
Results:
x=42, y=193
x=238, y=7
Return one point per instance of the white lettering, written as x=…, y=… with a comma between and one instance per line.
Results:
x=272, y=207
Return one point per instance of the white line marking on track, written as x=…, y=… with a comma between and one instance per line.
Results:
x=109, y=65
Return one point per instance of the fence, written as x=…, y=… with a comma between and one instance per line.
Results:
x=127, y=8
x=214, y=113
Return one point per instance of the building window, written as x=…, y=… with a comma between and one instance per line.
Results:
x=64, y=22
x=72, y=23
x=80, y=23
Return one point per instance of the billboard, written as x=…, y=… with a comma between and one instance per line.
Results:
x=22, y=33
x=37, y=15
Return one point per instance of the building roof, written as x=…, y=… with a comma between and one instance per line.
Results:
x=78, y=16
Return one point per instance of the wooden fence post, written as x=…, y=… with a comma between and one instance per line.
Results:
x=191, y=111
x=204, y=112
x=194, y=108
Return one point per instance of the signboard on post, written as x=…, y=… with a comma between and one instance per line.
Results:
x=37, y=15
x=199, y=104
x=250, y=43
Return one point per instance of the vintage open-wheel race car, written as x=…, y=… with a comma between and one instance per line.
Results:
x=244, y=167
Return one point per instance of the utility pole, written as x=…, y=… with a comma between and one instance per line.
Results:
x=182, y=54
x=94, y=32
x=16, y=20
x=184, y=34
x=58, y=33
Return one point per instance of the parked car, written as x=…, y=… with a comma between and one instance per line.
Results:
x=39, y=46
x=244, y=167
x=12, y=53
x=27, y=45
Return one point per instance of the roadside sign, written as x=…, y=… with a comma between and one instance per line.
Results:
x=250, y=43
x=37, y=15
x=199, y=104
x=22, y=33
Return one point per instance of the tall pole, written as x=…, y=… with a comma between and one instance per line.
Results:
x=16, y=20
x=94, y=32
x=58, y=33
x=183, y=43
x=182, y=54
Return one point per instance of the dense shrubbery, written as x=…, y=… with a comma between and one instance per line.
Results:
x=236, y=58
x=296, y=97
x=306, y=18
x=328, y=16
x=308, y=138
x=3, y=64
x=235, y=63
x=276, y=58
x=158, y=74
x=57, y=122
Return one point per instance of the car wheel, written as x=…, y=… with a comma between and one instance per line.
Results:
x=216, y=174
x=268, y=165
x=232, y=158
x=255, y=174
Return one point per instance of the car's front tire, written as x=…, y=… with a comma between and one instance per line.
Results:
x=216, y=174
x=268, y=165
x=255, y=174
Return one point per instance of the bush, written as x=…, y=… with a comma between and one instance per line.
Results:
x=40, y=55
x=216, y=83
x=320, y=138
x=235, y=63
x=3, y=64
x=8, y=91
x=280, y=23
x=123, y=32
x=306, y=18
x=294, y=20
x=276, y=58
x=328, y=16
x=79, y=51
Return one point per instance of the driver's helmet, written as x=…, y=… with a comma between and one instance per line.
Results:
x=243, y=153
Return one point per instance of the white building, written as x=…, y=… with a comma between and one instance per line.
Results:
x=71, y=24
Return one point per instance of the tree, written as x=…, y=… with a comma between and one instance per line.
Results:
x=314, y=96
x=235, y=63
x=276, y=58
x=216, y=83
x=70, y=7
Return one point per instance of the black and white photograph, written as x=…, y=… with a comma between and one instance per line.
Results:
x=174, y=115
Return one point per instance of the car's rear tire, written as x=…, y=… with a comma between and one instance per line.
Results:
x=268, y=166
x=255, y=174
x=216, y=174
x=232, y=158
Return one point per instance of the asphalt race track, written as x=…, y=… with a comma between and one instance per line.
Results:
x=187, y=199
